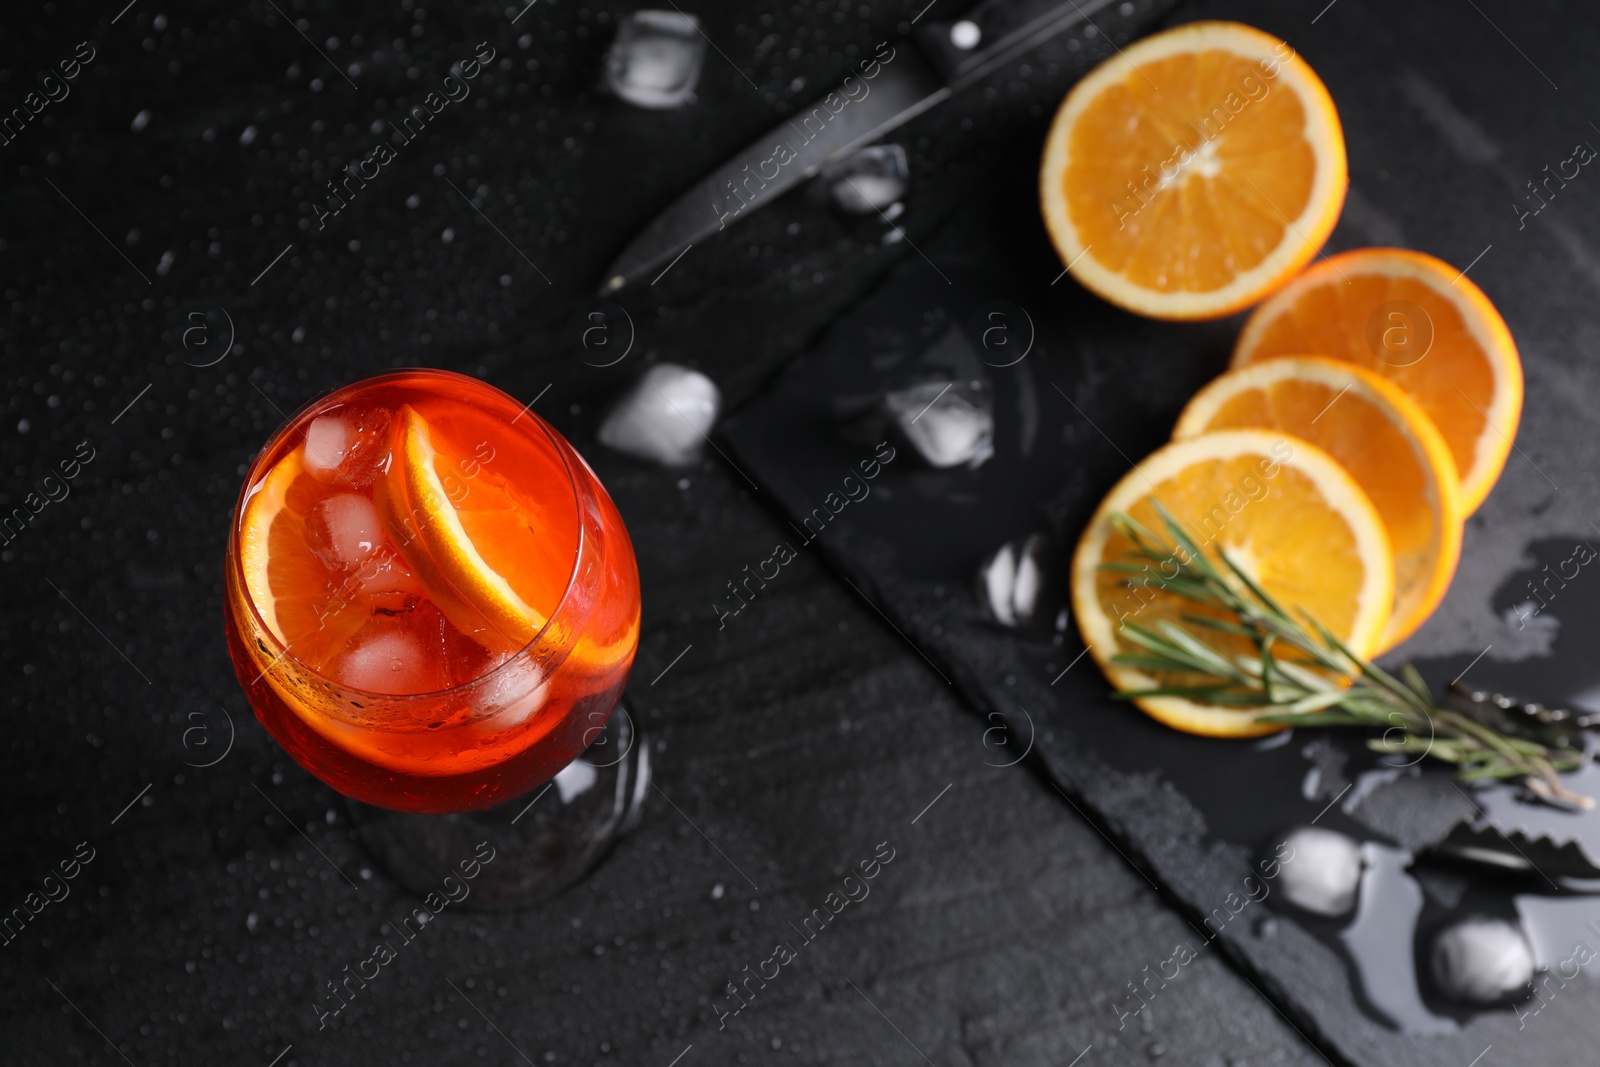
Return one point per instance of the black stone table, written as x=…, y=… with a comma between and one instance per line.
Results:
x=182, y=171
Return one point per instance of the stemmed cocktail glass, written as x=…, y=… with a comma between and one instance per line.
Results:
x=432, y=606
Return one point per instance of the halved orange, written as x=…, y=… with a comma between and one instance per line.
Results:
x=294, y=593
x=1194, y=172
x=1424, y=326
x=1282, y=509
x=1381, y=437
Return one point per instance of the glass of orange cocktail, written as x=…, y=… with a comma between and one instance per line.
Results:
x=432, y=605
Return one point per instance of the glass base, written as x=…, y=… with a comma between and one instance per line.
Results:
x=542, y=842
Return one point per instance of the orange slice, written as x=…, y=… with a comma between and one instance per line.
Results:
x=297, y=597
x=1283, y=510
x=1421, y=324
x=486, y=549
x=1381, y=437
x=1194, y=172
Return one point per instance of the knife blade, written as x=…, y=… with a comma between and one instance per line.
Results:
x=900, y=82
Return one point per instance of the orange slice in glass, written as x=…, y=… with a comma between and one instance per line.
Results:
x=1194, y=172
x=302, y=602
x=1378, y=434
x=1424, y=326
x=471, y=508
x=1283, y=510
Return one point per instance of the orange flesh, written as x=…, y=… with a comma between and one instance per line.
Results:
x=488, y=474
x=309, y=614
x=1306, y=557
x=1331, y=319
x=1281, y=509
x=1386, y=443
x=1365, y=443
x=1198, y=232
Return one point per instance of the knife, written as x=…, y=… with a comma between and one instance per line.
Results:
x=897, y=84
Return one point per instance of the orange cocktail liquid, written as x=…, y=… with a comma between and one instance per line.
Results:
x=431, y=602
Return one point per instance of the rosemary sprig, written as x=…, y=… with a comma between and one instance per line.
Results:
x=1303, y=669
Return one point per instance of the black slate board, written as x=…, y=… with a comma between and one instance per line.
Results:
x=1439, y=141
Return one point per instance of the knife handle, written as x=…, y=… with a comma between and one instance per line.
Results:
x=968, y=47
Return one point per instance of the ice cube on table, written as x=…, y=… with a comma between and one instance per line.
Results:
x=997, y=579
x=576, y=779
x=869, y=181
x=1018, y=581
x=946, y=422
x=1323, y=872
x=665, y=417
x=1482, y=961
x=655, y=59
